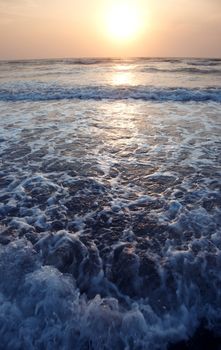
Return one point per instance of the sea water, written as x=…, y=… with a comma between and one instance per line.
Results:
x=110, y=203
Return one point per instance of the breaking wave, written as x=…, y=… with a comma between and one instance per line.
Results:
x=36, y=91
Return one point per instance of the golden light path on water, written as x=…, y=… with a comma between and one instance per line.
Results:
x=123, y=75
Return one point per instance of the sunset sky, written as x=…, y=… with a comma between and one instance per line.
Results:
x=73, y=28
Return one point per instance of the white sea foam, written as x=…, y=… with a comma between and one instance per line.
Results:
x=110, y=219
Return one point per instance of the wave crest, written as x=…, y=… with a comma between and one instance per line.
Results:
x=47, y=92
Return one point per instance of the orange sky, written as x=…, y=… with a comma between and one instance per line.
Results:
x=72, y=28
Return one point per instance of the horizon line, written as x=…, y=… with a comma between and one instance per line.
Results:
x=108, y=58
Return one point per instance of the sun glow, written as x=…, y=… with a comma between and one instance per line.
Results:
x=123, y=21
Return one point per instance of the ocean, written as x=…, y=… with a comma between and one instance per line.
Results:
x=110, y=204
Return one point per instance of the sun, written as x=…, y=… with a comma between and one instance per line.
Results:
x=123, y=21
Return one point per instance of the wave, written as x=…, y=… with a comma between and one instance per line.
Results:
x=204, y=62
x=110, y=226
x=68, y=61
x=33, y=91
x=191, y=70
x=97, y=61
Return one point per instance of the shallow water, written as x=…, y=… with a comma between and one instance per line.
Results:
x=110, y=203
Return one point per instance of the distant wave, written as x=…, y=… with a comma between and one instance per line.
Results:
x=204, y=62
x=190, y=70
x=45, y=92
x=97, y=61
x=68, y=61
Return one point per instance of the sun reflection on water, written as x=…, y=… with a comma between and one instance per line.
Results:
x=123, y=75
x=120, y=129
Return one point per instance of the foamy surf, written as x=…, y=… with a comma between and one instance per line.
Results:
x=110, y=219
